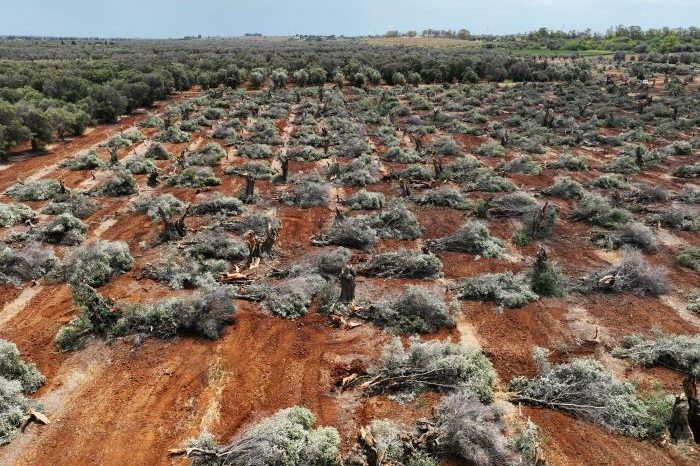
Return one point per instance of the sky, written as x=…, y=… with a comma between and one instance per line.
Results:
x=178, y=18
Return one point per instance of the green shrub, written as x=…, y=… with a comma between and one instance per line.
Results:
x=139, y=165
x=470, y=430
x=678, y=218
x=28, y=263
x=633, y=274
x=678, y=352
x=570, y=162
x=258, y=222
x=95, y=264
x=194, y=177
x=689, y=257
x=158, y=152
x=12, y=367
x=85, y=161
x=506, y=289
x=152, y=206
x=291, y=298
x=490, y=149
x=173, y=135
x=521, y=164
x=611, y=181
x=285, y=438
x=403, y=264
x=443, y=197
x=366, y=200
x=687, y=171
x=397, y=154
x=205, y=313
x=184, y=271
x=17, y=379
x=305, y=154
x=12, y=214
x=77, y=204
x=208, y=156
x=546, y=280
x=395, y=222
x=416, y=310
x=152, y=121
x=470, y=238
x=258, y=170
x=64, y=229
x=585, y=390
x=40, y=190
x=597, y=210
x=432, y=365
x=120, y=183
x=255, y=151
x=308, y=191
x=537, y=224
x=565, y=188
x=485, y=179
x=215, y=245
x=361, y=171
x=219, y=205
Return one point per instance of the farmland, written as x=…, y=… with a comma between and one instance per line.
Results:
x=419, y=257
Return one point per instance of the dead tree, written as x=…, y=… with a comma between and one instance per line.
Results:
x=549, y=115
x=254, y=246
x=582, y=106
x=347, y=284
x=639, y=157
x=152, y=179
x=113, y=157
x=437, y=167
x=284, y=161
x=691, y=394
x=181, y=160
x=268, y=244
x=249, y=194
x=680, y=426
x=173, y=230
x=405, y=188
x=418, y=142
x=504, y=137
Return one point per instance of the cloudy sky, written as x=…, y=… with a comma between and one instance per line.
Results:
x=177, y=18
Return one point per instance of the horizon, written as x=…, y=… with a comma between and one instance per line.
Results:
x=162, y=19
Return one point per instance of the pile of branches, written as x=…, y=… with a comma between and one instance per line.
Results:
x=470, y=238
x=403, y=264
x=285, y=438
x=584, y=389
x=429, y=365
x=633, y=274
x=678, y=352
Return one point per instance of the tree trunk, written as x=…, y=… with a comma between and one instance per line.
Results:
x=347, y=284
x=691, y=393
x=680, y=427
x=249, y=190
x=285, y=169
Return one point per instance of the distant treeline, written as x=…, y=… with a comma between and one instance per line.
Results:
x=620, y=38
x=53, y=88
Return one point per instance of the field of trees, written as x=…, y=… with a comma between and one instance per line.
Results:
x=334, y=252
